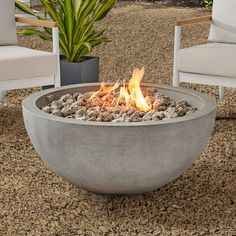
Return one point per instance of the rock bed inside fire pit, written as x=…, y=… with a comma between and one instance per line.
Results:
x=108, y=107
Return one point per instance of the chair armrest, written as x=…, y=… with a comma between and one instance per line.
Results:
x=36, y=22
x=44, y=23
x=195, y=20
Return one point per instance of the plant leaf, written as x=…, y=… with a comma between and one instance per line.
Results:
x=42, y=35
x=69, y=20
x=103, y=9
x=24, y=7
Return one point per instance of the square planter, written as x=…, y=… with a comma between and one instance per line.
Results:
x=79, y=72
x=86, y=71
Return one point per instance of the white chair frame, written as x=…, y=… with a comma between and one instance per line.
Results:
x=179, y=76
x=54, y=79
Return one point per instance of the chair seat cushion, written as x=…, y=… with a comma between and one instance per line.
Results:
x=20, y=63
x=217, y=59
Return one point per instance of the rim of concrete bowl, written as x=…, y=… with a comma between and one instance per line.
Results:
x=208, y=106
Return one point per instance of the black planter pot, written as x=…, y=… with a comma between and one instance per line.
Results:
x=85, y=71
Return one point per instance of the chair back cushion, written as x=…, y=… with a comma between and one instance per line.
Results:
x=223, y=27
x=7, y=22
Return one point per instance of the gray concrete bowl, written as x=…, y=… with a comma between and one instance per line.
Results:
x=119, y=158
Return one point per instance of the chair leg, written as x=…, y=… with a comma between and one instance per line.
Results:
x=2, y=95
x=57, y=79
x=176, y=78
x=221, y=93
x=57, y=76
x=176, y=52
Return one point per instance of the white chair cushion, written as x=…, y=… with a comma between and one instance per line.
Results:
x=7, y=22
x=223, y=27
x=19, y=63
x=217, y=59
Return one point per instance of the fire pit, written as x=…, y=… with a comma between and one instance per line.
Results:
x=119, y=157
x=119, y=103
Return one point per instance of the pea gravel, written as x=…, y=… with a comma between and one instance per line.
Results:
x=35, y=201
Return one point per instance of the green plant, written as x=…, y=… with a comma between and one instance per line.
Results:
x=208, y=4
x=76, y=19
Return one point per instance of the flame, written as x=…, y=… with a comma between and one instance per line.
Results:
x=106, y=90
x=110, y=89
x=136, y=95
x=132, y=94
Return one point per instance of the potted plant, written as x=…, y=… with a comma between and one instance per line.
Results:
x=77, y=34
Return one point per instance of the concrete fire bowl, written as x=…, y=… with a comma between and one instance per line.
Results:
x=119, y=158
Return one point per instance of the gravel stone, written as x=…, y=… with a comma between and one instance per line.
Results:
x=101, y=108
x=48, y=109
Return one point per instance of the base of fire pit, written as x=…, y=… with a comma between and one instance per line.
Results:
x=119, y=158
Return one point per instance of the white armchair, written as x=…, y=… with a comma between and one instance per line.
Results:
x=213, y=63
x=23, y=67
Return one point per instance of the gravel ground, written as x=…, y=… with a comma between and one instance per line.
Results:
x=35, y=201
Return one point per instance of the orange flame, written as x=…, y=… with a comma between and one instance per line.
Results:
x=136, y=95
x=132, y=94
